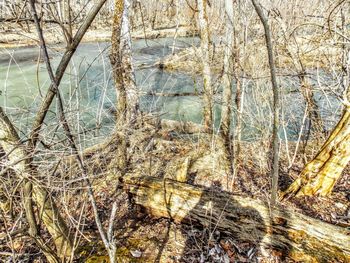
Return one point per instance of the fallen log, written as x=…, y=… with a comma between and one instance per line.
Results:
x=300, y=237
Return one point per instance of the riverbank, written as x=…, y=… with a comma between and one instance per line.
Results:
x=145, y=239
x=13, y=36
x=252, y=60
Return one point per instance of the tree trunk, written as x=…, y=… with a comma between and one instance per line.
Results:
x=320, y=175
x=226, y=114
x=124, y=78
x=49, y=214
x=276, y=102
x=121, y=60
x=207, y=82
x=301, y=238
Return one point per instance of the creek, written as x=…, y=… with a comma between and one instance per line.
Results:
x=89, y=93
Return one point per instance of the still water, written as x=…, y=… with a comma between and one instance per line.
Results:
x=89, y=93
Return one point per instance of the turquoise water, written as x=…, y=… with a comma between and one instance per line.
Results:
x=89, y=93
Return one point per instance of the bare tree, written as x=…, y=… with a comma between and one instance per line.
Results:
x=121, y=60
x=10, y=141
x=276, y=102
x=107, y=238
x=321, y=174
x=205, y=55
x=226, y=115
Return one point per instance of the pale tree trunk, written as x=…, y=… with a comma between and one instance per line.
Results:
x=49, y=214
x=226, y=114
x=121, y=60
x=205, y=54
x=124, y=77
x=320, y=175
x=128, y=72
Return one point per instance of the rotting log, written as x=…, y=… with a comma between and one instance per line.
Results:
x=302, y=238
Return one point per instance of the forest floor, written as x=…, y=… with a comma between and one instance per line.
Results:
x=142, y=238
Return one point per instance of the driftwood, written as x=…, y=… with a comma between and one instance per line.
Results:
x=301, y=238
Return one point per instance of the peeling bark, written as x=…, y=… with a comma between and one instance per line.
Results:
x=121, y=60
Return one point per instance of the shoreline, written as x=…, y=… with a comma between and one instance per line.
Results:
x=15, y=38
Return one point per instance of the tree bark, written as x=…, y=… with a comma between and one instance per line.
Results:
x=302, y=238
x=276, y=102
x=320, y=175
x=124, y=77
x=207, y=82
x=121, y=60
x=226, y=114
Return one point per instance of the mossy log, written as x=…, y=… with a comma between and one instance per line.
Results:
x=300, y=237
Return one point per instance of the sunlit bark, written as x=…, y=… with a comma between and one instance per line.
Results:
x=320, y=175
x=207, y=81
x=121, y=60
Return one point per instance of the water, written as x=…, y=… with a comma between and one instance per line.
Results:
x=89, y=93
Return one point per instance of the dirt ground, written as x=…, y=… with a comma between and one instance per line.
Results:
x=145, y=239
x=141, y=238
